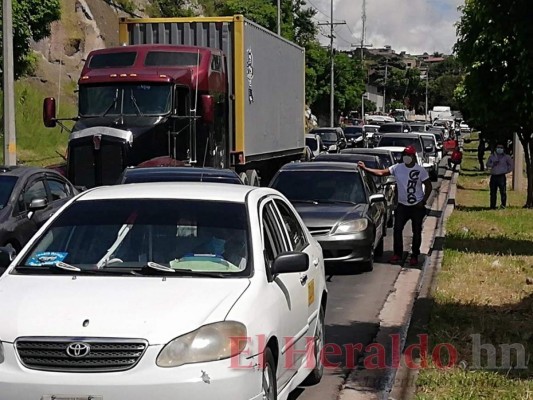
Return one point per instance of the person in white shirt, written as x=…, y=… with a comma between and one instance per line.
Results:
x=414, y=188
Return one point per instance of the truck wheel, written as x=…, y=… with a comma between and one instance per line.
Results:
x=253, y=177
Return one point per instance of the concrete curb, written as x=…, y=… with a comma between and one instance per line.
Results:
x=395, y=316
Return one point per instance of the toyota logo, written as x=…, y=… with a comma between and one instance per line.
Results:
x=78, y=350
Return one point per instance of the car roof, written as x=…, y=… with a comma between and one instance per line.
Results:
x=401, y=135
x=324, y=129
x=392, y=148
x=172, y=190
x=345, y=157
x=373, y=150
x=212, y=172
x=22, y=170
x=320, y=166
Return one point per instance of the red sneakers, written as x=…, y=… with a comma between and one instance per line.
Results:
x=413, y=262
x=395, y=259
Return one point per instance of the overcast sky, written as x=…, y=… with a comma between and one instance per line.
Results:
x=414, y=26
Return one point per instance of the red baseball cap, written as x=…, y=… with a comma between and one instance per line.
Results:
x=410, y=150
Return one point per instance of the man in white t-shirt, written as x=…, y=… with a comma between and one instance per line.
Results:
x=414, y=188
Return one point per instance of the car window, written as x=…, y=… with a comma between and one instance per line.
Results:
x=59, y=190
x=294, y=229
x=7, y=183
x=196, y=235
x=35, y=190
x=273, y=240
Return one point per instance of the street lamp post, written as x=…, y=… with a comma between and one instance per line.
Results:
x=427, y=81
x=279, y=17
x=10, y=144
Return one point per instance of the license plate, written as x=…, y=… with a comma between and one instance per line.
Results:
x=70, y=397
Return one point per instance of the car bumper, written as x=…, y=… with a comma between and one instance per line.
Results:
x=347, y=248
x=144, y=381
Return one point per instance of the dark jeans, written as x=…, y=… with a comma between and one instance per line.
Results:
x=498, y=182
x=403, y=214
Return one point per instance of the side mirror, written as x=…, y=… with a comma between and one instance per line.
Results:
x=208, y=107
x=37, y=204
x=332, y=148
x=293, y=261
x=49, y=112
x=376, y=198
x=391, y=180
x=7, y=255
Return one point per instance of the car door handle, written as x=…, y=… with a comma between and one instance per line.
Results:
x=303, y=279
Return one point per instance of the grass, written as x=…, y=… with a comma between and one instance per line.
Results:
x=36, y=145
x=484, y=289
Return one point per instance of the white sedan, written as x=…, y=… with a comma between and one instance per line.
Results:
x=164, y=291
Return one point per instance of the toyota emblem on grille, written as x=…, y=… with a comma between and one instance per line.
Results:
x=78, y=350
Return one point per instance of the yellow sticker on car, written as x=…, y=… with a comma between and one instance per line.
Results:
x=311, y=292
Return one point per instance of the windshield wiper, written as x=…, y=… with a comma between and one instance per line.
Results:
x=334, y=202
x=152, y=268
x=304, y=201
x=134, y=101
x=113, y=104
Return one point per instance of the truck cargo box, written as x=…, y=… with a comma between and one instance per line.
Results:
x=266, y=75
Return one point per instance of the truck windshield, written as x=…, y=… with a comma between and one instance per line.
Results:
x=125, y=99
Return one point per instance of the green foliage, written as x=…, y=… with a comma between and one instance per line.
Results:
x=499, y=75
x=37, y=145
x=261, y=12
x=169, y=8
x=31, y=21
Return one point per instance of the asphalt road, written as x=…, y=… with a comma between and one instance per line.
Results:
x=352, y=316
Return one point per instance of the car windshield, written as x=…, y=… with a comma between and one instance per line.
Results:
x=7, y=183
x=125, y=99
x=428, y=141
x=311, y=143
x=353, y=131
x=417, y=128
x=129, y=234
x=371, y=129
x=401, y=142
x=328, y=136
x=321, y=186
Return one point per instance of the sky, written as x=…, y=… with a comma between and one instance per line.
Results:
x=414, y=26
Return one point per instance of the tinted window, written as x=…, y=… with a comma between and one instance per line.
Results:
x=353, y=131
x=428, y=141
x=113, y=60
x=417, y=128
x=312, y=143
x=7, y=183
x=401, y=142
x=171, y=59
x=59, y=190
x=294, y=229
x=128, y=233
x=325, y=186
x=390, y=129
x=328, y=136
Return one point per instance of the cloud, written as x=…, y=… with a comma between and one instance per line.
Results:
x=414, y=26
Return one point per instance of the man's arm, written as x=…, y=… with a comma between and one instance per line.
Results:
x=377, y=172
x=428, y=187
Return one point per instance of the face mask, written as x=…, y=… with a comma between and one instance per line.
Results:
x=499, y=151
x=407, y=159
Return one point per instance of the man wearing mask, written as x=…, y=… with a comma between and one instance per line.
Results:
x=414, y=188
x=500, y=164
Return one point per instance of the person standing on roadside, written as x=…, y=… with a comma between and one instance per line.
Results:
x=414, y=188
x=481, y=152
x=500, y=164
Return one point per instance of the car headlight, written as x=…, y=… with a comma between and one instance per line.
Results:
x=344, y=228
x=209, y=343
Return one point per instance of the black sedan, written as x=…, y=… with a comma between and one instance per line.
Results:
x=355, y=135
x=338, y=206
x=333, y=139
x=179, y=174
x=29, y=196
x=382, y=184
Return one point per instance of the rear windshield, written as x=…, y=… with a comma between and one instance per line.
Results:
x=321, y=186
x=311, y=143
x=401, y=142
x=351, y=131
x=390, y=129
x=417, y=128
x=113, y=60
x=171, y=59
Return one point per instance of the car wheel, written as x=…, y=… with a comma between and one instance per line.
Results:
x=316, y=374
x=270, y=390
x=368, y=265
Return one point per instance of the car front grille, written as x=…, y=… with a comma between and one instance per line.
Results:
x=71, y=355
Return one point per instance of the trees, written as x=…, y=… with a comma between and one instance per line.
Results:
x=494, y=44
x=31, y=21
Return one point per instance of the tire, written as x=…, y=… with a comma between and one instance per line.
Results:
x=379, y=248
x=368, y=266
x=269, y=386
x=253, y=177
x=316, y=374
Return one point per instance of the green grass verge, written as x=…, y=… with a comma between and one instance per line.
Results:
x=484, y=289
x=36, y=145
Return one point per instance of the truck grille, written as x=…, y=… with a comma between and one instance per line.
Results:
x=91, y=167
x=80, y=355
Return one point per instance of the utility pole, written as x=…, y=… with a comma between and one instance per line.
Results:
x=518, y=158
x=332, y=72
x=10, y=143
x=385, y=87
x=279, y=17
x=427, y=82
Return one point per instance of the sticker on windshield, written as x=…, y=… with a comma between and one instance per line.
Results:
x=47, y=258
